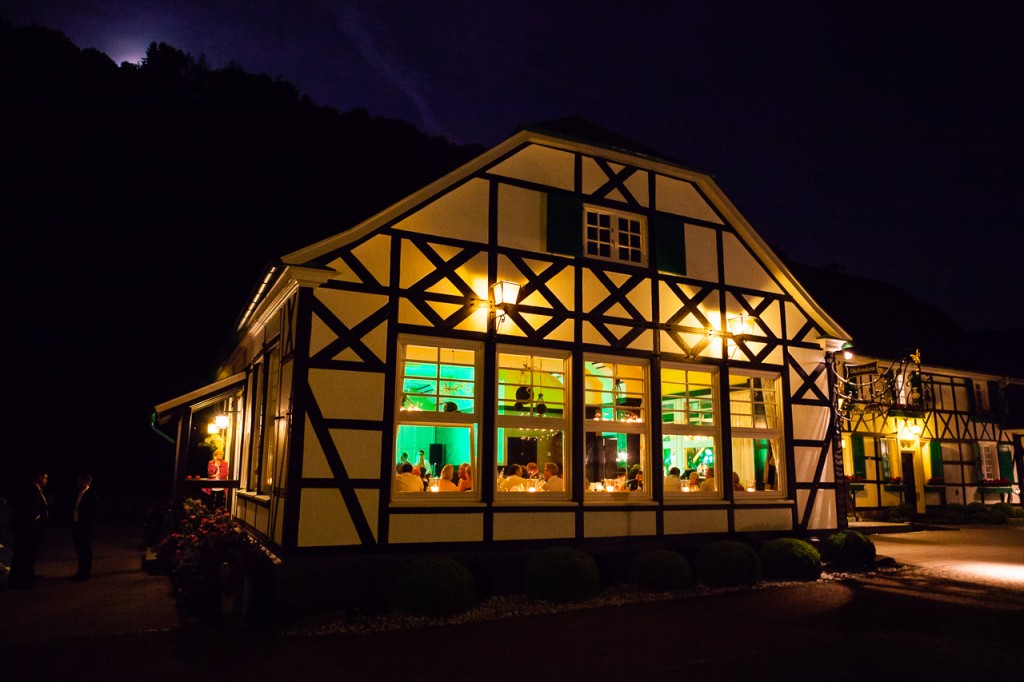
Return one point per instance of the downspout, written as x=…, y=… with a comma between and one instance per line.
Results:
x=152, y=425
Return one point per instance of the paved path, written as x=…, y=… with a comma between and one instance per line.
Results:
x=122, y=625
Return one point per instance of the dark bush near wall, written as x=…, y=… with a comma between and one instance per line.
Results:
x=790, y=559
x=561, y=574
x=434, y=586
x=849, y=549
x=1011, y=511
x=661, y=570
x=727, y=563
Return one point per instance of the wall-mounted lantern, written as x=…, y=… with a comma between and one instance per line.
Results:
x=504, y=295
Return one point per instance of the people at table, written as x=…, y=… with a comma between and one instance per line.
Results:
x=444, y=484
x=407, y=481
x=694, y=482
x=465, y=478
x=708, y=486
x=673, y=483
x=514, y=481
x=636, y=479
x=532, y=471
x=402, y=461
x=553, y=483
x=423, y=464
x=736, y=485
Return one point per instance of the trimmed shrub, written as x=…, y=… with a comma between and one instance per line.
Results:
x=899, y=513
x=790, y=559
x=727, y=563
x=953, y=512
x=849, y=549
x=661, y=570
x=434, y=586
x=1011, y=511
x=561, y=574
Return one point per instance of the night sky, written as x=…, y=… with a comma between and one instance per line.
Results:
x=884, y=138
x=881, y=137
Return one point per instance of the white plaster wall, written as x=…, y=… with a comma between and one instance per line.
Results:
x=823, y=515
x=324, y=520
x=540, y=526
x=461, y=213
x=742, y=269
x=810, y=422
x=701, y=253
x=696, y=521
x=360, y=451
x=406, y=528
x=521, y=219
x=618, y=523
x=680, y=197
x=348, y=395
x=763, y=519
x=542, y=165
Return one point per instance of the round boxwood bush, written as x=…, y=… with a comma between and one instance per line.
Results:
x=434, y=586
x=790, y=559
x=661, y=570
x=849, y=549
x=953, y=511
x=1011, y=511
x=727, y=563
x=561, y=574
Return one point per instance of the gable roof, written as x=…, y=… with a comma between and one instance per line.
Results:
x=611, y=147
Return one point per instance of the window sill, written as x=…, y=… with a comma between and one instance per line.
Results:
x=761, y=498
x=414, y=500
x=255, y=497
x=616, y=499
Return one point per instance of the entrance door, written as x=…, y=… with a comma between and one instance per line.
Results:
x=909, y=484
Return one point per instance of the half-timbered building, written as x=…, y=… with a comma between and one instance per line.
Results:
x=654, y=338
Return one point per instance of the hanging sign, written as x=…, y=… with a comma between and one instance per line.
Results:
x=860, y=370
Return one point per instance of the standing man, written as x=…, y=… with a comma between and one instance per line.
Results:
x=29, y=522
x=83, y=521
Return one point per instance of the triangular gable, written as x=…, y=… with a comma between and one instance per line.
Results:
x=705, y=198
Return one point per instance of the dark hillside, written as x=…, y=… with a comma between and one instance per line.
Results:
x=140, y=204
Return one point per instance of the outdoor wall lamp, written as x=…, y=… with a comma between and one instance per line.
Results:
x=504, y=295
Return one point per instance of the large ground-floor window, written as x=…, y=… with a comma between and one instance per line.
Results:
x=757, y=461
x=437, y=421
x=615, y=427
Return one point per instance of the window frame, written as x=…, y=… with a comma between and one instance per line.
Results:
x=774, y=435
x=615, y=216
x=714, y=430
x=641, y=428
x=437, y=419
x=512, y=421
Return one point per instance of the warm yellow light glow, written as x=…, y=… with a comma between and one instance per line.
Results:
x=742, y=325
x=505, y=293
x=434, y=488
x=212, y=428
x=848, y=355
x=221, y=421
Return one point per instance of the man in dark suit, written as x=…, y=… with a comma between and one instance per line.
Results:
x=28, y=522
x=83, y=522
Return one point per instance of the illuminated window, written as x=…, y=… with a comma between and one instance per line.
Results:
x=531, y=420
x=613, y=236
x=437, y=422
x=615, y=427
x=757, y=462
x=689, y=434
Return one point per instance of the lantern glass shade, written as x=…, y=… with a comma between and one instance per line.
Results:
x=212, y=428
x=742, y=325
x=505, y=293
x=221, y=421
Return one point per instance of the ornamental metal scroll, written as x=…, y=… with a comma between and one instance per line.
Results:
x=875, y=391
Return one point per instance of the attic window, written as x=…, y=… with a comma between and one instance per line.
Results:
x=614, y=236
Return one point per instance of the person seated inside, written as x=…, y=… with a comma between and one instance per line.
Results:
x=514, y=481
x=708, y=486
x=402, y=461
x=736, y=481
x=673, y=483
x=532, y=471
x=444, y=484
x=407, y=481
x=694, y=481
x=636, y=479
x=553, y=483
x=465, y=478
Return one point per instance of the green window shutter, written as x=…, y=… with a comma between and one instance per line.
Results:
x=1006, y=462
x=935, y=451
x=859, y=465
x=971, y=403
x=669, y=243
x=564, y=224
x=995, y=400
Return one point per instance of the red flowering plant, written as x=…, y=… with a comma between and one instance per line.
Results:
x=995, y=481
x=936, y=480
x=207, y=554
x=855, y=479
